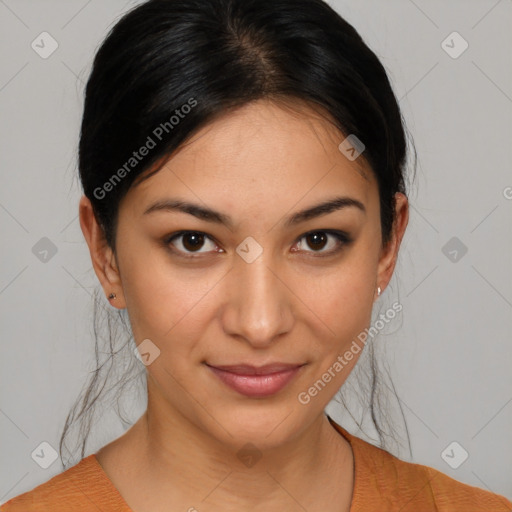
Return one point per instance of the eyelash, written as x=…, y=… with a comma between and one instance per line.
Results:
x=342, y=237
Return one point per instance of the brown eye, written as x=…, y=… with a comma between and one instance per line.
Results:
x=318, y=240
x=187, y=242
x=190, y=243
x=193, y=241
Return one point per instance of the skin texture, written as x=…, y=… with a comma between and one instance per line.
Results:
x=258, y=164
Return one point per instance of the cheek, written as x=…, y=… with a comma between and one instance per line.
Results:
x=347, y=313
x=162, y=299
x=346, y=294
x=344, y=301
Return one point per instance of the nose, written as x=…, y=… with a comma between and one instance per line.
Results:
x=259, y=307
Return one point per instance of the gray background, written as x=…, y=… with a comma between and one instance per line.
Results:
x=450, y=351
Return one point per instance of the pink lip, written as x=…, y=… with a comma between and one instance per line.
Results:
x=256, y=381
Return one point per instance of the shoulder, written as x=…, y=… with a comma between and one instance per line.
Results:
x=417, y=484
x=83, y=487
x=414, y=487
x=385, y=482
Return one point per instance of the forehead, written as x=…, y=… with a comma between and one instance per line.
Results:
x=261, y=157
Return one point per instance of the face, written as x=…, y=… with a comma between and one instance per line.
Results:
x=253, y=284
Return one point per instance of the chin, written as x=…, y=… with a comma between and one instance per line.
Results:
x=260, y=422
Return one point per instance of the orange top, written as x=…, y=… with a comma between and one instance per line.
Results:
x=382, y=483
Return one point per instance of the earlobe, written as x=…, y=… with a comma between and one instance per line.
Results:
x=102, y=256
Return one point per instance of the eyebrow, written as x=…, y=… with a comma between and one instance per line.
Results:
x=210, y=215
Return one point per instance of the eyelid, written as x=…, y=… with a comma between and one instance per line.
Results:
x=342, y=237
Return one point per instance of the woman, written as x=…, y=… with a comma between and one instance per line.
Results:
x=243, y=171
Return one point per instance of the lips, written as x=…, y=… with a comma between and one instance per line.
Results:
x=244, y=369
x=256, y=381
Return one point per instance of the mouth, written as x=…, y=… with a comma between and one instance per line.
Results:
x=256, y=382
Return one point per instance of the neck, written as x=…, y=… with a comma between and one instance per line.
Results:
x=184, y=465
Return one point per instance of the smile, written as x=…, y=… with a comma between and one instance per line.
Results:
x=256, y=382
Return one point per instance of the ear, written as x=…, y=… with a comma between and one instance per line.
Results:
x=102, y=256
x=389, y=253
